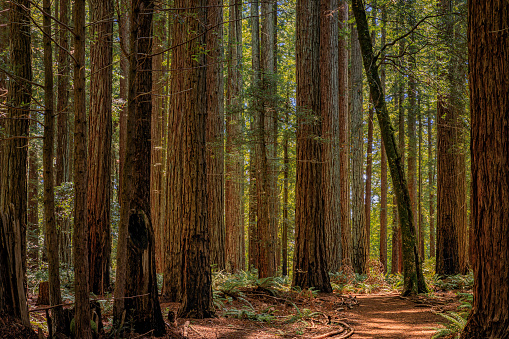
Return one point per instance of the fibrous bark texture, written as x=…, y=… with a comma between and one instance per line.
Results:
x=488, y=44
x=310, y=266
x=234, y=159
x=329, y=99
x=188, y=122
x=344, y=135
x=99, y=145
x=215, y=136
x=136, y=297
x=80, y=235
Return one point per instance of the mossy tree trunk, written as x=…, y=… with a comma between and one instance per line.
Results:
x=412, y=265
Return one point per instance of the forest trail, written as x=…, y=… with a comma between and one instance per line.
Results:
x=380, y=316
x=389, y=316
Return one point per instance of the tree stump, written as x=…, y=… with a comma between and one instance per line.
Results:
x=43, y=298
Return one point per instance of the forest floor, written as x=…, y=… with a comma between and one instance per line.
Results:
x=257, y=313
x=384, y=315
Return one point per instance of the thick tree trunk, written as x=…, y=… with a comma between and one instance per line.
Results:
x=80, y=238
x=13, y=185
x=99, y=145
x=412, y=266
x=190, y=89
x=136, y=298
x=359, y=234
x=310, y=266
x=235, y=161
x=215, y=136
x=344, y=135
x=329, y=99
x=157, y=146
x=488, y=43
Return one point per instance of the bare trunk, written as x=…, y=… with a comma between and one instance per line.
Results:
x=488, y=44
x=99, y=145
x=80, y=238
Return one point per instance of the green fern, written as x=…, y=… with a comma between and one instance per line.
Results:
x=453, y=328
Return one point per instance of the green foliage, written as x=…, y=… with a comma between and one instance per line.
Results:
x=453, y=328
x=347, y=281
x=455, y=282
x=456, y=320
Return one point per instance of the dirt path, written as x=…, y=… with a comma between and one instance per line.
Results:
x=391, y=317
x=380, y=316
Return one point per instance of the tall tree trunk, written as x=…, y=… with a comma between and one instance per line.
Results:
x=253, y=153
x=157, y=136
x=397, y=246
x=99, y=145
x=419, y=196
x=136, y=282
x=265, y=181
x=344, y=135
x=488, y=43
x=412, y=266
x=33, y=201
x=359, y=234
x=310, y=266
x=196, y=279
x=62, y=164
x=55, y=297
x=329, y=99
x=235, y=161
x=286, y=207
x=215, y=136
x=80, y=238
x=383, y=163
x=451, y=180
x=369, y=171
x=431, y=181
x=13, y=186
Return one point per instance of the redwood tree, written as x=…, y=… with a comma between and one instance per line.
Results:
x=310, y=266
x=136, y=297
x=99, y=144
x=13, y=185
x=488, y=44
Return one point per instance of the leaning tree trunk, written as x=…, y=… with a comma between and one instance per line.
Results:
x=488, y=44
x=136, y=298
x=412, y=266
